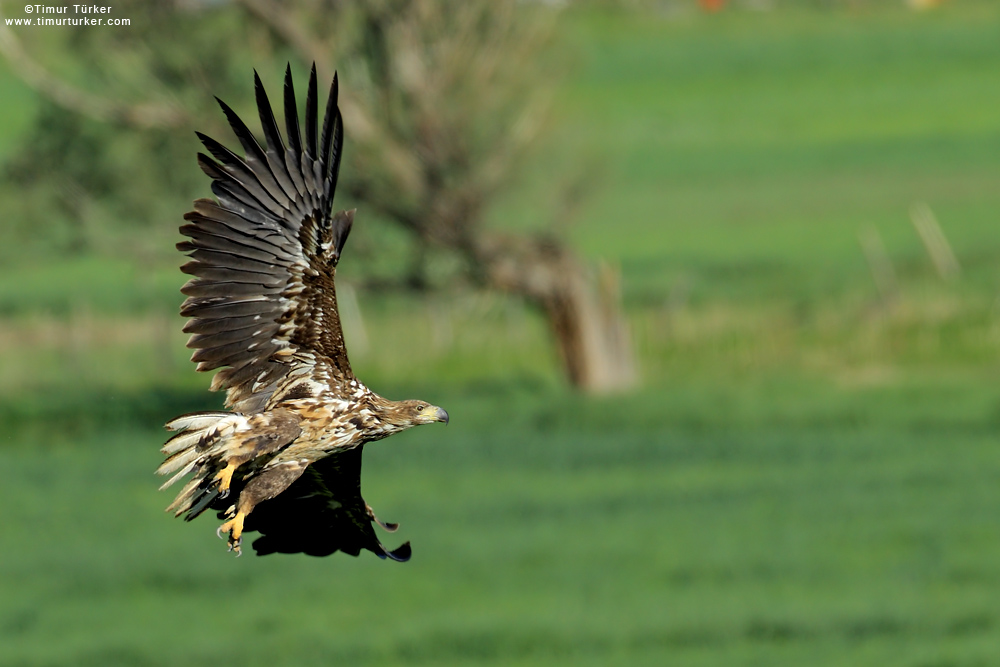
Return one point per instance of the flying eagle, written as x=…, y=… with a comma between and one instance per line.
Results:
x=286, y=461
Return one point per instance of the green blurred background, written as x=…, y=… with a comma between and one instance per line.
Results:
x=807, y=475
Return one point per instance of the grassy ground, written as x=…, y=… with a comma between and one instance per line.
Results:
x=809, y=475
x=779, y=524
x=746, y=151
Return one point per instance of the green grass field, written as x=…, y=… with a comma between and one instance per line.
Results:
x=809, y=476
x=781, y=523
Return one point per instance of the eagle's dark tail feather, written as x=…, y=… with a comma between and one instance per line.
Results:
x=400, y=554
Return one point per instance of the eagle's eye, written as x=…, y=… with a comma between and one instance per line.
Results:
x=420, y=408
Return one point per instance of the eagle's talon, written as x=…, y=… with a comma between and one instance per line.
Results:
x=225, y=478
x=235, y=529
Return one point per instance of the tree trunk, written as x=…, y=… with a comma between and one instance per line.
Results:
x=583, y=309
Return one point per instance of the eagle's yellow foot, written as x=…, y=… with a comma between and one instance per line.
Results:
x=225, y=478
x=235, y=529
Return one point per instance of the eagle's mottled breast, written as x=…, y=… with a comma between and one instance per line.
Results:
x=330, y=423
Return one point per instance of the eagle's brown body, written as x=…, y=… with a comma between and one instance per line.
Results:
x=287, y=461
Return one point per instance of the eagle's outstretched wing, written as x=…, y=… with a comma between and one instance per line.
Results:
x=322, y=512
x=262, y=302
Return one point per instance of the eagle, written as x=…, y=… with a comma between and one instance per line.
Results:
x=285, y=460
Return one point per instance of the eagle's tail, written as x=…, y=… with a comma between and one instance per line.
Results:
x=200, y=438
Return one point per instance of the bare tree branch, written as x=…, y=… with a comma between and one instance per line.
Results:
x=440, y=99
x=142, y=115
x=281, y=20
x=363, y=125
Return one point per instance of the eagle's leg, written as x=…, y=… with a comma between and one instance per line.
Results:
x=225, y=476
x=269, y=432
x=271, y=481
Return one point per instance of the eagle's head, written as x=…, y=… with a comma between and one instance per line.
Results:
x=414, y=413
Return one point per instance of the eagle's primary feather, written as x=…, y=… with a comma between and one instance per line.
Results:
x=286, y=462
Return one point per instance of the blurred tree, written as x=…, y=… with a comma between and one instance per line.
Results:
x=440, y=98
